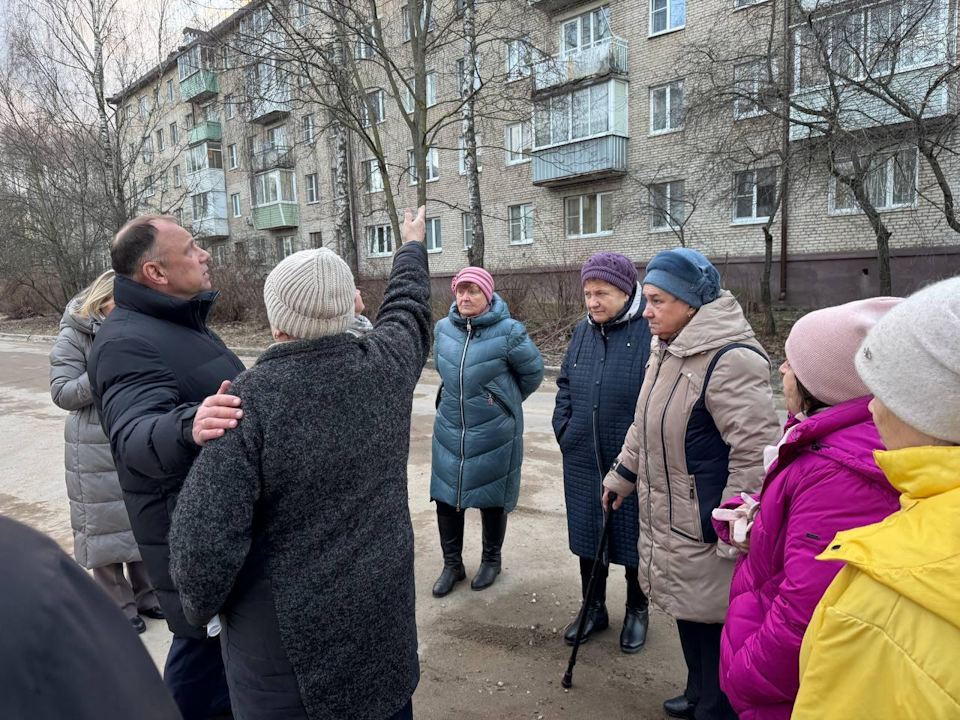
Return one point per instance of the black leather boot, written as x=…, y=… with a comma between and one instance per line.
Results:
x=597, y=620
x=634, y=633
x=494, y=529
x=451, y=542
x=679, y=707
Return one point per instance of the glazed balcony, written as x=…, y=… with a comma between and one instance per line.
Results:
x=272, y=158
x=606, y=57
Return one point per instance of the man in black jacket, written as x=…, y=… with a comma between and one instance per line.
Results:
x=159, y=379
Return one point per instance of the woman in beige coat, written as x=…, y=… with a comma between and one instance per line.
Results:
x=704, y=415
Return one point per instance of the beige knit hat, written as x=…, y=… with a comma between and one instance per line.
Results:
x=310, y=294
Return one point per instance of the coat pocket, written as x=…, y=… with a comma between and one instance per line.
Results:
x=685, y=508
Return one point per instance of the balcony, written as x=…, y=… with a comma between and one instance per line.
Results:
x=200, y=86
x=208, y=130
x=276, y=215
x=272, y=104
x=603, y=58
x=272, y=158
x=552, y=6
x=210, y=227
x=580, y=161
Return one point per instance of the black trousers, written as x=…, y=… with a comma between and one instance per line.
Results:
x=701, y=651
x=636, y=599
x=451, y=510
x=195, y=677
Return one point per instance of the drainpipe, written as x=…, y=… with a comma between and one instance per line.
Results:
x=785, y=150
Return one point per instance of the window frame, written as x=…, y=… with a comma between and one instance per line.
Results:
x=465, y=219
x=380, y=112
x=174, y=133
x=668, y=107
x=754, y=219
x=599, y=203
x=369, y=166
x=667, y=214
x=601, y=11
x=668, y=7
x=433, y=230
x=233, y=158
x=889, y=164
x=522, y=67
x=235, y=205
x=308, y=128
x=523, y=221
x=312, y=184
x=526, y=133
x=462, y=153
x=616, y=124
x=386, y=231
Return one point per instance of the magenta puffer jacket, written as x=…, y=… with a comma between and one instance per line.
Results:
x=823, y=481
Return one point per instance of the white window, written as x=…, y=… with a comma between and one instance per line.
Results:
x=467, y=230
x=148, y=149
x=235, y=204
x=316, y=239
x=302, y=12
x=666, y=108
x=518, y=60
x=226, y=57
x=164, y=184
x=521, y=224
x=308, y=136
x=588, y=112
x=174, y=133
x=159, y=135
x=220, y=254
x=409, y=101
x=201, y=206
x=433, y=164
x=434, y=239
x=144, y=107
x=372, y=179
x=176, y=176
x=229, y=107
x=584, y=31
x=379, y=240
x=374, y=102
x=365, y=42
x=277, y=137
x=169, y=90
x=232, y=156
x=276, y=186
x=204, y=156
x=431, y=89
x=666, y=15
x=754, y=195
x=667, y=207
x=149, y=188
x=284, y=247
x=749, y=79
x=313, y=188
x=587, y=215
x=462, y=153
x=405, y=18
x=517, y=141
x=462, y=75
x=178, y=214
x=890, y=182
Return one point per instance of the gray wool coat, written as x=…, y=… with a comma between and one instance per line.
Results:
x=101, y=528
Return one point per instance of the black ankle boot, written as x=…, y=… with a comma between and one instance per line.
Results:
x=451, y=542
x=597, y=620
x=634, y=633
x=494, y=529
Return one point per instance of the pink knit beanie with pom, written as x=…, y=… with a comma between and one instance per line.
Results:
x=478, y=275
x=823, y=345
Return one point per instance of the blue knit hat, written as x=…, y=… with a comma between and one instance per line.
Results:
x=685, y=274
x=611, y=267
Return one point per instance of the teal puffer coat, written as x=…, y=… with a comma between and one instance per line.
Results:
x=488, y=367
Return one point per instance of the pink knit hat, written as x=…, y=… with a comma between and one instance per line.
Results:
x=823, y=345
x=478, y=275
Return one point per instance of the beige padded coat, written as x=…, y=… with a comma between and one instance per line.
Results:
x=691, y=448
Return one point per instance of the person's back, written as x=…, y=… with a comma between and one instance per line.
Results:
x=296, y=526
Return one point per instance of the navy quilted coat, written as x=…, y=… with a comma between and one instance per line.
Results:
x=488, y=367
x=598, y=385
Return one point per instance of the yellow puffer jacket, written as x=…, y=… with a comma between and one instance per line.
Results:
x=884, y=642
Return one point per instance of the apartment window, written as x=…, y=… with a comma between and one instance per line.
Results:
x=169, y=90
x=277, y=137
x=308, y=136
x=229, y=107
x=232, y=156
x=890, y=182
x=144, y=107
x=521, y=224
x=467, y=230
x=584, y=31
x=379, y=240
x=226, y=57
x=587, y=215
x=666, y=108
x=517, y=141
x=433, y=164
x=462, y=75
x=284, y=247
x=434, y=239
x=195, y=59
x=666, y=15
x=235, y=204
x=333, y=182
x=178, y=214
x=201, y=206
x=431, y=89
x=164, y=183
x=129, y=113
x=365, y=43
x=316, y=240
x=313, y=188
x=174, y=133
x=412, y=167
x=149, y=190
x=409, y=101
x=667, y=207
x=302, y=13
x=405, y=18
x=518, y=60
x=176, y=176
x=754, y=195
x=204, y=156
x=148, y=149
x=159, y=136
x=374, y=103
x=276, y=186
x=749, y=80
x=220, y=254
x=589, y=112
x=372, y=179
x=462, y=152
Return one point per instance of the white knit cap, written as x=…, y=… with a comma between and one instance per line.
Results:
x=310, y=294
x=910, y=360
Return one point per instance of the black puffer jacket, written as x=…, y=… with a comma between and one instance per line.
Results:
x=153, y=362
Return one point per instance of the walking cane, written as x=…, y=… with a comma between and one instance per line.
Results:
x=591, y=588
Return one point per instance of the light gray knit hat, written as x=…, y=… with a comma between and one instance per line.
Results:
x=310, y=295
x=910, y=360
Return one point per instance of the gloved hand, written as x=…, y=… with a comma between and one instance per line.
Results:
x=741, y=520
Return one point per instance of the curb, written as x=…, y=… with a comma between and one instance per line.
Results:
x=550, y=371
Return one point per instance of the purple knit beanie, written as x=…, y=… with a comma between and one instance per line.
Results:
x=612, y=267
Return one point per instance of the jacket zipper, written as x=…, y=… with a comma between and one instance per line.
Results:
x=499, y=403
x=646, y=467
x=463, y=417
x=596, y=416
x=663, y=445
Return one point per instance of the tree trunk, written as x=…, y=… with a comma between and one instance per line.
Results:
x=468, y=117
x=882, y=234
x=346, y=243
x=766, y=297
